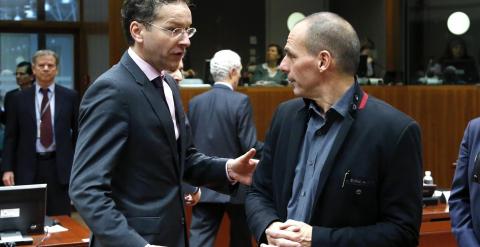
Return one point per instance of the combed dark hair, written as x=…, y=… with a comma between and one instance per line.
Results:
x=279, y=51
x=142, y=11
x=26, y=64
x=329, y=31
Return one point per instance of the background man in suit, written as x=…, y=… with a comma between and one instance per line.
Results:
x=134, y=149
x=464, y=200
x=344, y=168
x=222, y=125
x=41, y=133
x=24, y=77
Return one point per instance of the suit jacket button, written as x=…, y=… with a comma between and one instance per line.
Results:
x=183, y=220
x=358, y=192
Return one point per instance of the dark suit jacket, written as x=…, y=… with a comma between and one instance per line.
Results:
x=19, y=154
x=378, y=204
x=6, y=104
x=465, y=197
x=127, y=172
x=222, y=125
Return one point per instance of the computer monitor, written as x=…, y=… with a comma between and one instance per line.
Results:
x=22, y=208
x=207, y=76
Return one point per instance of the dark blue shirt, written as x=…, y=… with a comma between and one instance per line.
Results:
x=322, y=129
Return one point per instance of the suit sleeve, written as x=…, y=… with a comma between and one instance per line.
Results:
x=400, y=196
x=247, y=133
x=103, y=122
x=11, y=137
x=74, y=119
x=459, y=201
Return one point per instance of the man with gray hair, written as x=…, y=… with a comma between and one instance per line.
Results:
x=222, y=125
x=339, y=167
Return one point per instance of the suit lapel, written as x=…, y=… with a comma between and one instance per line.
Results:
x=58, y=104
x=160, y=109
x=30, y=97
x=329, y=162
x=298, y=128
x=358, y=102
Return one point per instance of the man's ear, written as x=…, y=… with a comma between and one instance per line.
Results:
x=324, y=60
x=136, y=31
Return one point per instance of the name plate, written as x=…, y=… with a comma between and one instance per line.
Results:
x=9, y=213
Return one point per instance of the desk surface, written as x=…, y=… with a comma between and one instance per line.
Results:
x=73, y=237
x=435, y=229
x=436, y=213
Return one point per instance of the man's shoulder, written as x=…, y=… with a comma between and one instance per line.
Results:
x=381, y=109
x=475, y=122
x=117, y=75
x=65, y=90
x=12, y=92
x=290, y=104
x=380, y=115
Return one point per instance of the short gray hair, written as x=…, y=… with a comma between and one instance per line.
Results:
x=41, y=53
x=222, y=63
x=329, y=31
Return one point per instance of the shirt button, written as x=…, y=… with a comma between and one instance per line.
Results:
x=303, y=193
x=358, y=192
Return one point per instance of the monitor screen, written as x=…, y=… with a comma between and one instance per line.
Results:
x=22, y=208
x=207, y=76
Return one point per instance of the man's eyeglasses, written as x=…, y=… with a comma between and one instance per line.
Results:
x=177, y=32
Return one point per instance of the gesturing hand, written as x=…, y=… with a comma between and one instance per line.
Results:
x=241, y=169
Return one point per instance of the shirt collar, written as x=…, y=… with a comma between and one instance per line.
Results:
x=146, y=68
x=341, y=106
x=225, y=84
x=51, y=88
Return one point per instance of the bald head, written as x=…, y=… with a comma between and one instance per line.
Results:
x=329, y=31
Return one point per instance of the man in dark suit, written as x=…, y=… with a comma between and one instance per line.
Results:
x=133, y=150
x=339, y=168
x=464, y=200
x=24, y=77
x=222, y=125
x=41, y=133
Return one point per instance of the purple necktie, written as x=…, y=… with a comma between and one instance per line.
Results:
x=46, y=136
x=158, y=83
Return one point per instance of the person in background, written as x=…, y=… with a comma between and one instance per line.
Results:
x=366, y=67
x=268, y=71
x=339, y=167
x=222, y=125
x=464, y=199
x=134, y=149
x=458, y=66
x=41, y=133
x=24, y=78
x=177, y=75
